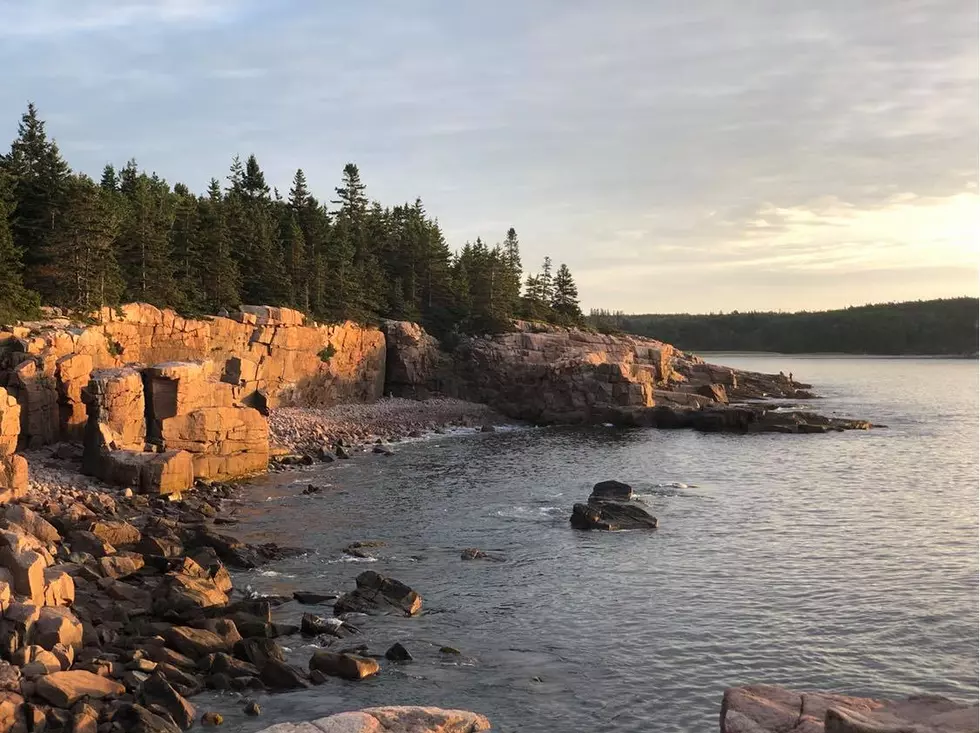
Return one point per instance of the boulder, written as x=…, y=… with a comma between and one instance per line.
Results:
x=612, y=490
x=13, y=478
x=32, y=522
x=59, y=587
x=115, y=532
x=771, y=709
x=92, y=544
x=277, y=675
x=259, y=651
x=138, y=719
x=392, y=719
x=612, y=515
x=714, y=392
x=343, y=665
x=376, y=593
x=157, y=691
x=64, y=689
x=182, y=592
x=27, y=570
x=198, y=643
x=121, y=564
x=412, y=362
x=58, y=625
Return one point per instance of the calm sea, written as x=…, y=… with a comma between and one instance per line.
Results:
x=844, y=562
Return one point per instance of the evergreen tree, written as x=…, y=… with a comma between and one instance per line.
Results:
x=564, y=300
x=16, y=301
x=38, y=178
x=511, y=287
x=254, y=230
x=144, y=247
x=547, y=286
x=86, y=273
x=219, y=275
x=110, y=181
x=185, y=249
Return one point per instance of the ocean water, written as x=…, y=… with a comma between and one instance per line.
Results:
x=843, y=562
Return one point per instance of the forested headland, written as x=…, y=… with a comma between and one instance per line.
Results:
x=67, y=240
x=930, y=327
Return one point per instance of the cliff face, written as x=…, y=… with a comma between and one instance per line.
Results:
x=268, y=355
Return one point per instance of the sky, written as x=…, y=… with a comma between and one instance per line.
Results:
x=678, y=156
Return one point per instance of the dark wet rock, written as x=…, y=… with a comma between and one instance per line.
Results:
x=281, y=676
x=312, y=599
x=198, y=643
x=345, y=666
x=156, y=690
x=313, y=625
x=398, y=653
x=612, y=515
x=487, y=429
x=341, y=452
x=222, y=663
x=376, y=593
x=612, y=490
x=311, y=489
x=138, y=719
x=259, y=651
x=252, y=709
x=453, y=651
x=381, y=450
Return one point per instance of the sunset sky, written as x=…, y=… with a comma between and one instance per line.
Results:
x=704, y=156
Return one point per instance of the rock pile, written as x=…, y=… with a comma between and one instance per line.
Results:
x=611, y=506
x=768, y=709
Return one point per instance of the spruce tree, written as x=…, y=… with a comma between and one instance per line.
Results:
x=86, y=274
x=184, y=249
x=16, y=301
x=144, y=244
x=219, y=275
x=38, y=178
x=564, y=301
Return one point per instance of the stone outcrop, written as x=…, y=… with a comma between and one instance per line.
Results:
x=770, y=709
x=392, y=719
x=13, y=468
x=414, y=364
x=265, y=355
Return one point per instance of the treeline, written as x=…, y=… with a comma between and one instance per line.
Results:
x=931, y=327
x=69, y=241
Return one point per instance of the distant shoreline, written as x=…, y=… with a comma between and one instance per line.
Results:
x=828, y=354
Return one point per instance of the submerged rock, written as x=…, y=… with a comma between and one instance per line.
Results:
x=771, y=709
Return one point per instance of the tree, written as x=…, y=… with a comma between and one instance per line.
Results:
x=16, y=301
x=144, y=246
x=84, y=268
x=218, y=272
x=38, y=178
x=564, y=299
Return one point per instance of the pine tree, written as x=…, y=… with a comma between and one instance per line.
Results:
x=564, y=301
x=110, y=181
x=39, y=178
x=547, y=286
x=184, y=249
x=511, y=287
x=294, y=253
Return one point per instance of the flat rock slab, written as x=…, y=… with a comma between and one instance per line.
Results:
x=64, y=689
x=394, y=719
x=770, y=709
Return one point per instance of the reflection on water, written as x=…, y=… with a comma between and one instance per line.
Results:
x=844, y=561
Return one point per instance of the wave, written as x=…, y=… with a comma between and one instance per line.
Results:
x=532, y=513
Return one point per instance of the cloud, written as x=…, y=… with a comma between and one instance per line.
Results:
x=41, y=18
x=626, y=139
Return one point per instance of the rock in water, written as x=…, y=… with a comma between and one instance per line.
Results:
x=345, y=666
x=392, y=719
x=398, y=653
x=767, y=709
x=613, y=490
x=612, y=515
x=376, y=593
